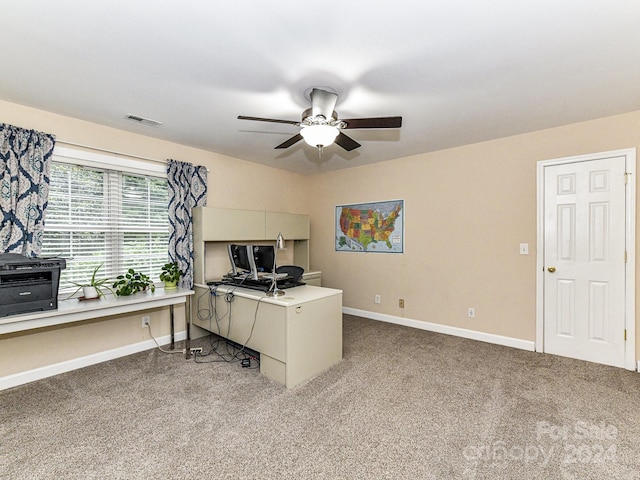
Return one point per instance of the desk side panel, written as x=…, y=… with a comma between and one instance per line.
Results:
x=314, y=338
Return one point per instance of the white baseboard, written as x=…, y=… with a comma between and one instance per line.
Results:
x=57, y=368
x=448, y=330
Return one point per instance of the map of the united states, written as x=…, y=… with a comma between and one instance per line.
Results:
x=370, y=227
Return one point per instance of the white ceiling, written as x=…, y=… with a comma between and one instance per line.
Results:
x=457, y=71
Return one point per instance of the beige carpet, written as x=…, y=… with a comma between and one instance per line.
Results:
x=404, y=404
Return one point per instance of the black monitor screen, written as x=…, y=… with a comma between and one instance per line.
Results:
x=264, y=256
x=239, y=258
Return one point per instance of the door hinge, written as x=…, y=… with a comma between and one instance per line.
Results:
x=626, y=177
x=625, y=334
x=625, y=257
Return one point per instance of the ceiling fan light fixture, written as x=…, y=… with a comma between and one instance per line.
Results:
x=320, y=125
x=319, y=135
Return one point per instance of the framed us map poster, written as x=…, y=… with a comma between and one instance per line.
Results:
x=370, y=227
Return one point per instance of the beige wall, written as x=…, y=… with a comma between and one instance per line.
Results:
x=31, y=349
x=22, y=352
x=233, y=183
x=467, y=210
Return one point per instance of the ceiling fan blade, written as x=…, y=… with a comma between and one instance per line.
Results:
x=346, y=142
x=295, y=139
x=272, y=120
x=377, y=122
x=323, y=103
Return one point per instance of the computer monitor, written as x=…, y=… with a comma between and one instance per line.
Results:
x=263, y=257
x=241, y=258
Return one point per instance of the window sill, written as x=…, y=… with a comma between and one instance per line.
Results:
x=73, y=310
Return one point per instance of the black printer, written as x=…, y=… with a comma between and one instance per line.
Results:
x=28, y=284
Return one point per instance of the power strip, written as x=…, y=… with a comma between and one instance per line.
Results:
x=194, y=350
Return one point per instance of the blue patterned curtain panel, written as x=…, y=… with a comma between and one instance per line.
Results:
x=187, y=189
x=24, y=188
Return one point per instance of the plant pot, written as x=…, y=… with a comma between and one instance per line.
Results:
x=90, y=292
x=170, y=285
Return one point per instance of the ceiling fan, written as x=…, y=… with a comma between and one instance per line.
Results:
x=322, y=127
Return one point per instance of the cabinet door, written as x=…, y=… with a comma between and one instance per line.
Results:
x=226, y=224
x=291, y=225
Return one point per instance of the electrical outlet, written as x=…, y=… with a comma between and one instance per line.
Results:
x=376, y=299
x=196, y=350
x=471, y=312
x=145, y=321
x=401, y=303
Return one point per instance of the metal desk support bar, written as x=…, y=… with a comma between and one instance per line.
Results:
x=187, y=318
x=173, y=341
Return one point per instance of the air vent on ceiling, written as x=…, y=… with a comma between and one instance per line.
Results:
x=144, y=121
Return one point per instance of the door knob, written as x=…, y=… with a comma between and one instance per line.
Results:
x=551, y=269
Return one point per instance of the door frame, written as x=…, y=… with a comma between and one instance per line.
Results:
x=630, y=242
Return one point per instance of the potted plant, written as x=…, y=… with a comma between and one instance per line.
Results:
x=132, y=282
x=170, y=275
x=94, y=288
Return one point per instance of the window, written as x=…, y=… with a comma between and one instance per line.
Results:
x=107, y=216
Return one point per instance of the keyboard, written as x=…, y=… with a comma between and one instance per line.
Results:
x=263, y=283
x=269, y=276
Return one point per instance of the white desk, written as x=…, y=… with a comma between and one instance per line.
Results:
x=73, y=310
x=298, y=334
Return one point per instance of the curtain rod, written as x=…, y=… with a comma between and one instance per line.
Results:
x=112, y=152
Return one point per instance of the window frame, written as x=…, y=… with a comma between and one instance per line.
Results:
x=110, y=162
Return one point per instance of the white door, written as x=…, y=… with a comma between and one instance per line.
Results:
x=584, y=260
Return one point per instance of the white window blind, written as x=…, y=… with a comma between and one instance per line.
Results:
x=101, y=216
